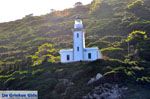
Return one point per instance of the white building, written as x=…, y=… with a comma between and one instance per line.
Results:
x=79, y=51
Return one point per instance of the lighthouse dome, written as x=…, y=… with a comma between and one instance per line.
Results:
x=78, y=24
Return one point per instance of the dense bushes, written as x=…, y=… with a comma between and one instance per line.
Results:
x=53, y=80
x=111, y=52
x=109, y=23
x=138, y=45
x=140, y=9
x=135, y=4
x=107, y=18
x=45, y=53
x=137, y=36
x=95, y=5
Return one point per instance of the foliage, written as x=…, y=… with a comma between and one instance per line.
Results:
x=78, y=4
x=46, y=53
x=111, y=49
x=136, y=36
x=138, y=45
x=120, y=28
x=144, y=79
x=145, y=50
x=94, y=5
x=38, y=72
x=135, y=4
x=109, y=18
x=139, y=7
x=111, y=52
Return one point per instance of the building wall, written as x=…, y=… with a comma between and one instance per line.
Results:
x=95, y=54
x=63, y=56
x=78, y=42
x=79, y=52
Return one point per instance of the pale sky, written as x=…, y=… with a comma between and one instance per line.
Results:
x=16, y=9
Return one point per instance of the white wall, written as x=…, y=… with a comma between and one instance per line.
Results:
x=100, y=56
x=95, y=54
x=82, y=54
x=63, y=56
x=78, y=42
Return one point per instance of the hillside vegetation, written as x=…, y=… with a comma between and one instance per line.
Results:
x=29, y=58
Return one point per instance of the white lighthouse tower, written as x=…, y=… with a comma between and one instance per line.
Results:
x=79, y=51
x=78, y=40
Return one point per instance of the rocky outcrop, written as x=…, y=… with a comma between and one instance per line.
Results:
x=106, y=91
x=94, y=79
x=62, y=85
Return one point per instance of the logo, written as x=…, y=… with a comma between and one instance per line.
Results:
x=18, y=95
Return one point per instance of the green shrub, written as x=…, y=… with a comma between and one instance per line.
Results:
x=24, y=72
x=135, y=4
x=110, y=72
x=38, y=72
x=10, y=81
x=100, y=44
x=3, y=78
x=15, y=73
x=136, y=35
x=143, y=79
x=95, y=4
x=46, y=53
x=111, y=52
x=111, y=49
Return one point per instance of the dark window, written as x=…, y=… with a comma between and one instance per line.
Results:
x=77, y=48
x=77, y=35
x=89, y=55
x=68, y=57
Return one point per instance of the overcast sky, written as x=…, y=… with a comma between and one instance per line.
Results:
x=16, y=9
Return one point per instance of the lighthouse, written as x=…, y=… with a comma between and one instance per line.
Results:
x=78, y=40
x=79, y=51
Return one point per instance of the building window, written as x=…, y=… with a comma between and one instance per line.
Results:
x=89, y=55
x=77, y=35
x=68, y=57
x=77, y=48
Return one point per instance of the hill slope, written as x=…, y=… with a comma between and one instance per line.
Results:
x=120, y=28
x=111, y=19
x=70, y=81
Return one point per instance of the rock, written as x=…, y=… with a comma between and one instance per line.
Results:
x=62, y=85
x=96, y=96
x=91, y=81
x=77, y=75
x=94, y=79
x=106, y=91
x=98, y=76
